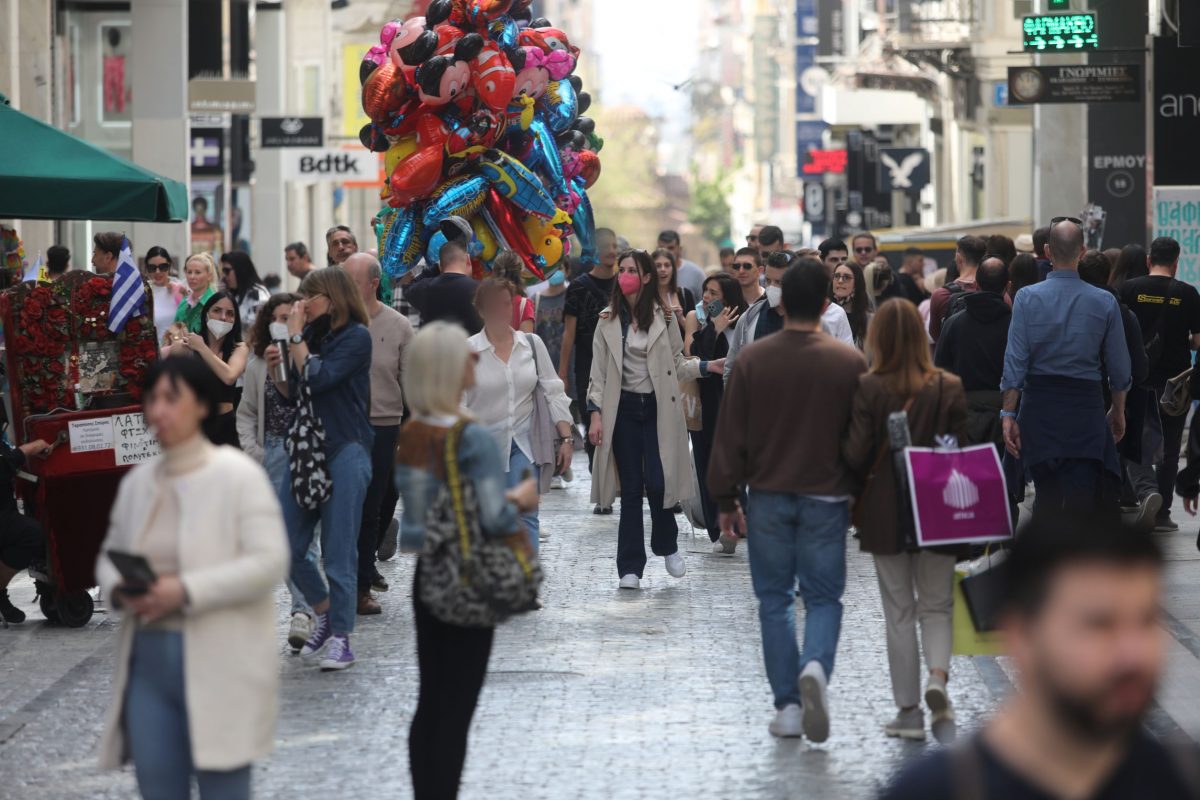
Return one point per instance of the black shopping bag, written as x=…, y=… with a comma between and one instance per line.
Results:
x=984, y=594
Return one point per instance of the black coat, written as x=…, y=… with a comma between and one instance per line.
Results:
x=974, y=340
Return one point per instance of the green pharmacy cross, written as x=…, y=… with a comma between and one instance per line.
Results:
x=1060, y=32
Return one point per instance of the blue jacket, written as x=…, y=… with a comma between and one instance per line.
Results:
x=340, y=380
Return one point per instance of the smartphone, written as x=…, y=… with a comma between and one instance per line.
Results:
x=715, y=308
x=136, y=573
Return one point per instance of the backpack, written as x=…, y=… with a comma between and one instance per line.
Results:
x=957, y=301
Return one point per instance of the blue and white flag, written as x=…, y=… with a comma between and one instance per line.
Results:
x=128, y=297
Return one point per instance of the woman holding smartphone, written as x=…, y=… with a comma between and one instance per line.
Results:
x=182, y=707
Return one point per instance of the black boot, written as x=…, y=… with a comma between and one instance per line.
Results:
x=10, y=613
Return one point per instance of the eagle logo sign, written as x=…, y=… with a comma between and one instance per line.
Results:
x=901, y=174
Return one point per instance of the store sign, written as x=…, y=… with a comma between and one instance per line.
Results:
x=330, y=165
x=903, y=169
x=1176, y=113
x=217, y=94
x=207, y=151
x=293, y=132
x=1061, y=32
x=1084, y=83
x=823, y=161
x=1177, y=214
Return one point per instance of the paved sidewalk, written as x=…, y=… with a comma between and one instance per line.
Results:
x=603, y=694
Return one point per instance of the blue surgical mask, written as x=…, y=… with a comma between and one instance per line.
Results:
x=557, y=278
x=701, y=314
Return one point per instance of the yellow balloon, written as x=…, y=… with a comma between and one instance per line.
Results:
x=545, y=240
x=403, y=148
x=484, y=234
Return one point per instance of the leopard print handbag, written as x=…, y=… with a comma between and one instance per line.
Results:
x=467, y=578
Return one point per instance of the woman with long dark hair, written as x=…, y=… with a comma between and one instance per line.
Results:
x=242, y=281
x=167, y=293
x=329, y=349
x=637, y=422
x=708, y=339
x=917, y=584
x=850, y=292
x=677, y=300
x=222, y=350
x=1130, y=264
x=1022, y=272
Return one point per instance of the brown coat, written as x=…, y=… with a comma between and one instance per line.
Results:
x=939, y=408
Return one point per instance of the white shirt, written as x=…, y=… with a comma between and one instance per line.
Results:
x=502, y=399
x=835, y=322
x=635, y=371
x=164, y=309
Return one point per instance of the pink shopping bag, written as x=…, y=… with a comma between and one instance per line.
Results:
x=958, y=495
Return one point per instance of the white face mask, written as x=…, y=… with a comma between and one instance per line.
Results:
x=279, y=331
x=774, y=296
x=219, y=328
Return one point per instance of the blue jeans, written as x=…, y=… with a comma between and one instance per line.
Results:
x=635, y=449
x=797, y=541
x=275, y=462
x=518, y=462
x=156, y=726
x=340, y=516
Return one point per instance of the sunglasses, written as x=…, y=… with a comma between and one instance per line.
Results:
x=1055, y=220
x=166, y=267
x=864, y=250
x=744, y=266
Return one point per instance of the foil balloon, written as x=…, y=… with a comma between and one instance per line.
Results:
x=547, y=153
x=545, y=242
x=378, y=54
x=560, y=105
x=589, y=167
x=513, y=181
x=416, y=176
x=493, y=78
x=403, y=247
x=402, y=148
x=461, y=197
x=499, y=214
x=584, y=223
x=489, y=247
x=401, y=49
x=384, y=93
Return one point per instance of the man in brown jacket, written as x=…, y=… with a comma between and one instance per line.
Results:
x=799, y=491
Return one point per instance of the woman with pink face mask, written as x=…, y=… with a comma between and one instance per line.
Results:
x=636, y=416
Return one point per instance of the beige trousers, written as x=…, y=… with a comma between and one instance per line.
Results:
x=916, y=587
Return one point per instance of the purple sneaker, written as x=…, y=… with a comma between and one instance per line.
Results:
x=337, y=654
x=319, y=640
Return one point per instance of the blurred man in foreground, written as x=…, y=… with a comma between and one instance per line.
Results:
x=1083, y=627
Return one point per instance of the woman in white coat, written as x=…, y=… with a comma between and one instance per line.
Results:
x=637, y=420
x=197, y=670
x=511, y=366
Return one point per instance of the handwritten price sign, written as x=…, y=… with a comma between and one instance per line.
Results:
x=132, y=442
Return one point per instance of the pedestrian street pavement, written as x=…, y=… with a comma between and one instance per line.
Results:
x=603, y=694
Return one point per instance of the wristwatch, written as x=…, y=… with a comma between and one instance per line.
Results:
x=297, y=338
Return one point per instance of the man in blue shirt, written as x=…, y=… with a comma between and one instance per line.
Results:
x=1063, y=333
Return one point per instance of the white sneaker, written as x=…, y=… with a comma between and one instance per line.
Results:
x=726, y=545
x=630, y=581
x=908, y=724
x=556, y=482
x=787, y=723
x=812, y=694
x=676, y=567
x=299, y=631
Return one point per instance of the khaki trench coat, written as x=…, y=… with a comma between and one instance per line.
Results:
x=232, y=555
x=668, y=366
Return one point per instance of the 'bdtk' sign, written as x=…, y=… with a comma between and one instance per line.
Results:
x=329, y=165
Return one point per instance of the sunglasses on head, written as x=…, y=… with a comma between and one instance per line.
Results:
x=779, y=259
x=1055, y=220
x=164, y=267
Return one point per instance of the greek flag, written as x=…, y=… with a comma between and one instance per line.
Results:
x=128, y=297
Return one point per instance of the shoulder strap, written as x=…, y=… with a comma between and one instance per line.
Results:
x=454, y=481
x=885, y=446
x=533, y=350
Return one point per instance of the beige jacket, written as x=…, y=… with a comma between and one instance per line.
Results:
x=668, y=366
x=232, y=555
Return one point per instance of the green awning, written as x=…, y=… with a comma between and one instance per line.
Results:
x=48, y=174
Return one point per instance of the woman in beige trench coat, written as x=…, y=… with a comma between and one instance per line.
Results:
x=197, y=670
x=637, y=421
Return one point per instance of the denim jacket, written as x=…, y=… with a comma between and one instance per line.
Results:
x=420, y=472
x=340, y=380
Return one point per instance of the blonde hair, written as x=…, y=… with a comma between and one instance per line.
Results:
x=435, y=362
x=936, y=280
x=898, y=348
x=345, y=301
x=207, y=260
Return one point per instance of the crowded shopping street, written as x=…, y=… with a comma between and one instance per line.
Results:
x=568, y=399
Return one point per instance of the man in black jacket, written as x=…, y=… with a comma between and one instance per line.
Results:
x=20, y=537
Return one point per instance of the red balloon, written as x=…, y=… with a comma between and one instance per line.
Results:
x=385, y=92
x=510, y=229
x=416, y=176
x=590, y=167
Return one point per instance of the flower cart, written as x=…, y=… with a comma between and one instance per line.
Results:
x=76, y=385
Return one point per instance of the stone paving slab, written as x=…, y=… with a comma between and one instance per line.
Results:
x=603, y=694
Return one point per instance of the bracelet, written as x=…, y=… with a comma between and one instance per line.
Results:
x=1004, y=413
x=567, y=439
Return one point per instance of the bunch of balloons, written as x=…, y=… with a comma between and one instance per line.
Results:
x=478, y=112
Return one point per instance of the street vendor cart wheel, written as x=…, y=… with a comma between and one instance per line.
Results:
x=74, y=608
x=47, y=602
